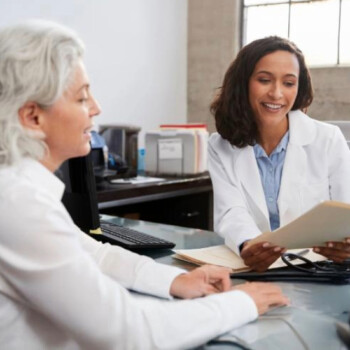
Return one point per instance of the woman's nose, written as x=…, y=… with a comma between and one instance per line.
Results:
x=95, y=108
x=276, y=91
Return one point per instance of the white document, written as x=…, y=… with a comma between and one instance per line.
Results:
x=328, y=221
x=137, y=180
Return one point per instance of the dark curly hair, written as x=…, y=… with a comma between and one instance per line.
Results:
x=234, y=117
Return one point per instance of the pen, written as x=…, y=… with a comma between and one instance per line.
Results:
x=302, y=252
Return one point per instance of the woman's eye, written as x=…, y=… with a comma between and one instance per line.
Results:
x=289, y=83
x=263, y=81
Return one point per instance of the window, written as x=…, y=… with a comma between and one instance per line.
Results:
x=320, y=28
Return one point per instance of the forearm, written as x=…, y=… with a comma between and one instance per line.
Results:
x=133, y=271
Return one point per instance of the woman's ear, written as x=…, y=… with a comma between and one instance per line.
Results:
x=30, y=116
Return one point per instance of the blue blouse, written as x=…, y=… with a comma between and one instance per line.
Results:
x=270, y=169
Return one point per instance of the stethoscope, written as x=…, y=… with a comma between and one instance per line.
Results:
x=314, y=268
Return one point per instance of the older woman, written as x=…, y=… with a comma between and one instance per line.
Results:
x=269, y=161
x=60, y=289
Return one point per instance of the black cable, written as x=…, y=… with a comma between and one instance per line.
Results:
x=228, y=342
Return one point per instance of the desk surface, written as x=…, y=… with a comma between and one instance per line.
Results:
x=111, y=195
x=309, y=323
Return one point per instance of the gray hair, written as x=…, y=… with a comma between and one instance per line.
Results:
x=37, y=59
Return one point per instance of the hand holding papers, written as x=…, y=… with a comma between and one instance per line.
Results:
x=328, y=221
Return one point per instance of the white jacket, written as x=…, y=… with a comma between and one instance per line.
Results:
x=316, y=168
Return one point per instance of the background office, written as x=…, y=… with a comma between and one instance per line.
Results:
x=159, y=61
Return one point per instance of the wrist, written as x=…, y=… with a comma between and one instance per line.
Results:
x=176, y=285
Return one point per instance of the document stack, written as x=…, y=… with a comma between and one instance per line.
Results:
x=177, y=149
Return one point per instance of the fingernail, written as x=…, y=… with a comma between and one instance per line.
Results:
x=316, y=250
x=348, y=240
x=277, y=249
x=266, y=244
x=330, y=245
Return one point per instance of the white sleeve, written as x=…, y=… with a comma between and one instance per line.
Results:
x=232, y=219
x=339, y=168
x=131, y=270
x=43, y=259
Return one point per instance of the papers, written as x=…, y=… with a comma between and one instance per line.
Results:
x=328, y=221
x=137, y=180
x=223, y=256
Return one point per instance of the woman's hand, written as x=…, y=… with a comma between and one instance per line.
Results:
x=336, y=251
x=204, y=280
x=265, y=295
x=261, y=255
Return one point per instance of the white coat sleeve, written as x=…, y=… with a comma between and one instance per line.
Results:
x=232, y=219
x=339, y=167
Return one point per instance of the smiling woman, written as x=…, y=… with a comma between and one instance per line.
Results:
x=268, y=156
x=273, y=88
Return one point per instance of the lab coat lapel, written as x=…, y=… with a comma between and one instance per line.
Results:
x=301, y=133
x=248, y=172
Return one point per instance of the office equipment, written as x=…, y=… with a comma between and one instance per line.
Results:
x=221, y=255
x=122, y=140
x=132, y=239
x=106, y=165
x=327, y=221
x=81, y=202
x=176, y=151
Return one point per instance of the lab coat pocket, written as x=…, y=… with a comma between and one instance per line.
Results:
x=313, y=193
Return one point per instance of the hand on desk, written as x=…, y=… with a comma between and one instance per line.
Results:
x=336, y=251
x=204, y=280
x=265, y=295
x=261, y=255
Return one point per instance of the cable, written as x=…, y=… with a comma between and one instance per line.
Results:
x=296, y=333
x=240, y=343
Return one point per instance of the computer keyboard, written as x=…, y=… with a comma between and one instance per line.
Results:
x=132, y=239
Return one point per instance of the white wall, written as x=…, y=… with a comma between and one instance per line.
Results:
x=136, y=53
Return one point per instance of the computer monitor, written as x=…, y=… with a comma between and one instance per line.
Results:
x=80, y=200
x=80, y=196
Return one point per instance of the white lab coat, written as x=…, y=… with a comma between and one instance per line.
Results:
x=316, y=168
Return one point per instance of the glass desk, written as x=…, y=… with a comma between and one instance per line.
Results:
x=309, y=323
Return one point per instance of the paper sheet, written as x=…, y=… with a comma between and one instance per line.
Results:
x=328, y=221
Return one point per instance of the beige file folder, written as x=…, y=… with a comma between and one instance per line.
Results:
x=328, y=221
x=221, y=255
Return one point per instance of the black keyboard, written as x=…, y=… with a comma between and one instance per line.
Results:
x=132, y=239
